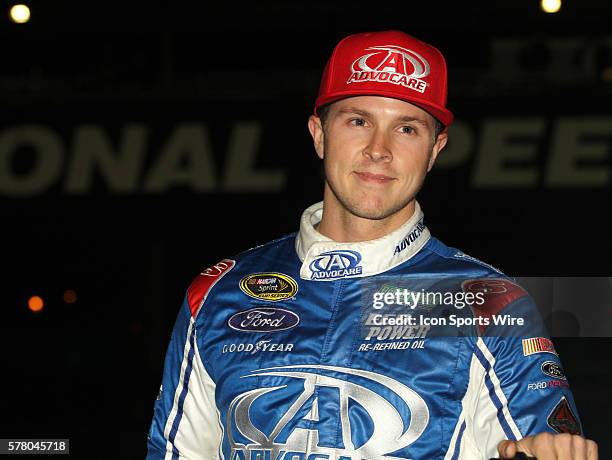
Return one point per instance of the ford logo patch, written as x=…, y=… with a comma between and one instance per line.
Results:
x=263, y=319
x=553, y=369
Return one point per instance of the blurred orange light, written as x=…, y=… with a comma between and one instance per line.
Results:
x=606, y=74
x=70, y=296
x=35, y=303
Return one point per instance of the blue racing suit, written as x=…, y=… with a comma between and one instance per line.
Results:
x=395, y=348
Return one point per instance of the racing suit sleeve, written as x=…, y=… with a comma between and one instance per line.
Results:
x=517, y=386
x=185, y=422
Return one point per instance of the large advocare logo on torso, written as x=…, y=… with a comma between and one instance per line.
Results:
x=391, y=64
x=326, y=412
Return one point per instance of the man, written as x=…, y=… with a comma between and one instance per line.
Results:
x=324, y=344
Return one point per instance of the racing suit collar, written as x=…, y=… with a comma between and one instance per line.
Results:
x=324, y=259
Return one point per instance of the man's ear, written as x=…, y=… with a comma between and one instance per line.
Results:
x=437, y=148
x=318, y=135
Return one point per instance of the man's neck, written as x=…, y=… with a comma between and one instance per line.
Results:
x=341, y=225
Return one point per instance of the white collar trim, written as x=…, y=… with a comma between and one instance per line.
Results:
x=324, y=259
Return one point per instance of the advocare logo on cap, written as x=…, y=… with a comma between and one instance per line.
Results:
x=391, y=64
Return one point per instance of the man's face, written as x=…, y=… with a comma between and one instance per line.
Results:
x=376, y=152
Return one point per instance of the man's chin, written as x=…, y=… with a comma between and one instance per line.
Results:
x=372, y=212
x=372, y=206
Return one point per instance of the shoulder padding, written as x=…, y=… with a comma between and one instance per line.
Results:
x=497, y=294
x=204, y=282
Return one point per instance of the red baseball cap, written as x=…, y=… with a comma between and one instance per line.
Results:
x=391, y=64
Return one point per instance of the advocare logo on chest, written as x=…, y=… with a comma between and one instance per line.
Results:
x=336, y=264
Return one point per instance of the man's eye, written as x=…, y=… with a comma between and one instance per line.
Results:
x=407, y=129
x=358, y=122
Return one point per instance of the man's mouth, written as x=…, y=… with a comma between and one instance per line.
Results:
x=374, y=178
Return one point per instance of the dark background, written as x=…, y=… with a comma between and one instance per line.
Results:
x=110, y=82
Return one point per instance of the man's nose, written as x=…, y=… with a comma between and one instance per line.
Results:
x=378, y=148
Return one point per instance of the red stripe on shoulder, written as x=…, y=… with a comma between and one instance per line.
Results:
x=204, y=282
x=497, y=293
